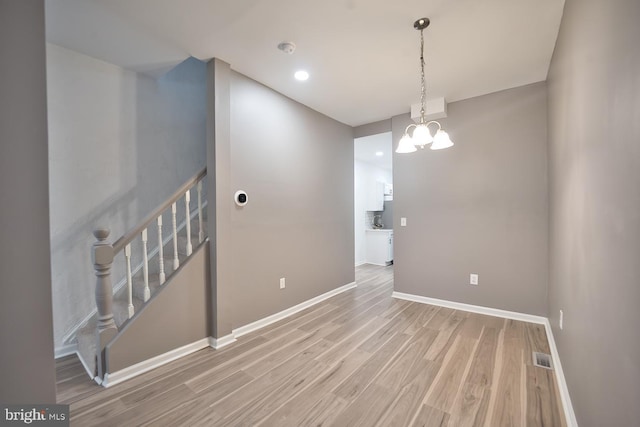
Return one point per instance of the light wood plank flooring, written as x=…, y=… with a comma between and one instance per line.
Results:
x=359, y=358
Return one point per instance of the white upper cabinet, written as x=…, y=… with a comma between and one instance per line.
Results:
x=388, y=191
x=375, y=199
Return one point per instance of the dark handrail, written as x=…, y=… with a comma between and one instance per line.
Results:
x=130, y=235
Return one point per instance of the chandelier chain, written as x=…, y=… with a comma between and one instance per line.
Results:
x=423, y=88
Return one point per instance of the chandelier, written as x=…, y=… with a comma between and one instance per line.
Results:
x=421, y=134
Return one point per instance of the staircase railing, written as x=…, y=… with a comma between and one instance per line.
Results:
x=103, y=254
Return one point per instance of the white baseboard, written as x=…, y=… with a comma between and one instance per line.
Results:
x=569, y=414
x=243, y=330
x=375, y=263
x=65, y=350
x=472, y=308
x=218, y=343
x=114, y=378
x=358, y=264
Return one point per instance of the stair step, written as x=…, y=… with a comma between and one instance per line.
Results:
x=87, y=343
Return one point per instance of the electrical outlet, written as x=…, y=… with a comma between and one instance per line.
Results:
x=282, y=283
x=561, y=320
x=473, y=279
x=403, y=222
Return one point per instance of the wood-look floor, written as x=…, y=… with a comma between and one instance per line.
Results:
x=359, y=358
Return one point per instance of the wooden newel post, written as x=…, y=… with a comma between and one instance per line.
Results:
x=102, y=257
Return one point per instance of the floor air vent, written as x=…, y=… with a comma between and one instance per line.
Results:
x=542, y=360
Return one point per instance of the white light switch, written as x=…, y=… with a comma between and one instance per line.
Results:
x=403, y=222
x=282, y=283
x=473, y=279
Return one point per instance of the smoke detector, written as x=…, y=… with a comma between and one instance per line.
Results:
x=287, y=47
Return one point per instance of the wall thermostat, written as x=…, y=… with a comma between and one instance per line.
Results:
x=241, y=198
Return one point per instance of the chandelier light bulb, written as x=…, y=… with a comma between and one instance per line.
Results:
x=441, y=140
x=421, y=136
x=405, y=145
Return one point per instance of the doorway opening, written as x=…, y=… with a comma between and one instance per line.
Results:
x=373, y=199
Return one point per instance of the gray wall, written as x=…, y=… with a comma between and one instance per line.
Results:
x=119, y=144
x=297, y=168
x=594, y=151
x=478, y=207
x=27, y=372
x=175, y=317
x=372, y=128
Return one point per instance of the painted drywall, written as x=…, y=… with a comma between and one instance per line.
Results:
x=119, y=144
x=365, y=175
x=371, y=129
x=296, y=166
x=478, y=207
x=175, y=317
x=219, y=184
x=594, y=152
x=27, y=373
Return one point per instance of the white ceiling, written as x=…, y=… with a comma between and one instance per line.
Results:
x=362, y=54
x=365, y=150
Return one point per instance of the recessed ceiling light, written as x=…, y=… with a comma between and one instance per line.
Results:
x=379, y=153
x=301, y=75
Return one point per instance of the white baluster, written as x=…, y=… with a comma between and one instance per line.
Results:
x=145, y=266
x=176, y=261
x=200, y=230
x=127, y=255
x=187, y=200
x=161, y=275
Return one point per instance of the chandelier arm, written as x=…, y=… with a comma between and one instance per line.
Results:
x=432, y=122
x=406, y=131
